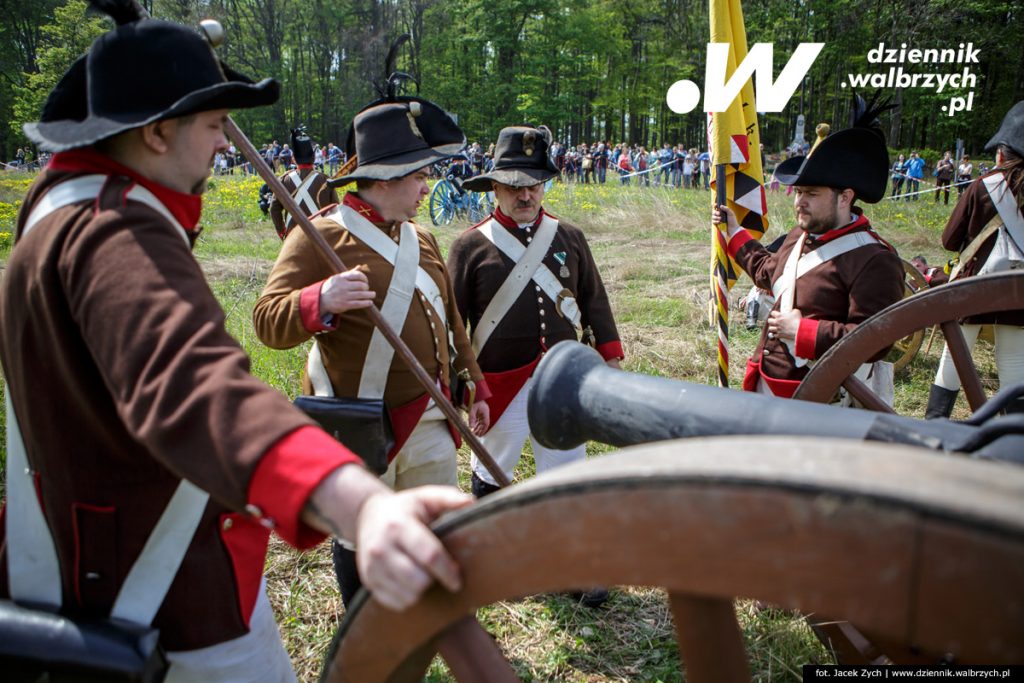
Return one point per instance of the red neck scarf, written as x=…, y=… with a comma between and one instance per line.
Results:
x=363, y=208
x=186, y=208
x=511, y=224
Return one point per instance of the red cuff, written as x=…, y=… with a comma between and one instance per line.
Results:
x=737, y=241
x=806, y=336
x=611, y=350
x=483, y=392
x=286, y=477
x=309, y=309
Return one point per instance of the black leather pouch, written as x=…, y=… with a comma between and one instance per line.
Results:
x=362, y=425
x=42, y=646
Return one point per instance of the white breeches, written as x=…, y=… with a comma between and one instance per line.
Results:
x=428, y=457
x=1009, y=353
x=256, y=657
x=505, y=442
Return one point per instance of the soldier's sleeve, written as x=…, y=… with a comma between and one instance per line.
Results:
x=595, y=309
x=288, y=311
x=460, y=274
x=962, y=225
x=277, y=210
x=465, y=357
x=753, y=258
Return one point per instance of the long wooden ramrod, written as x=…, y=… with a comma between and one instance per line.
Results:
x=259, y=163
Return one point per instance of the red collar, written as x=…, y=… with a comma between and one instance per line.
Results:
x=511, y=224
x=186, y=208
x=305, y=166
x=861, y=223
x=363, y=208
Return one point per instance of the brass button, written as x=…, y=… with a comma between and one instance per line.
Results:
x=228, y=523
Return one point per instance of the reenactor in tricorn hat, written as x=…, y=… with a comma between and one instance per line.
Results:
x=395, y=141
x=833, y=271
x=307, y=185
x=514, y=320
x=987, y=227
x=145, y=465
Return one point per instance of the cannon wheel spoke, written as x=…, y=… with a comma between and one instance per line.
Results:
x=873, y=532
x=710, y=641
x=941, y=306
x=473, y=655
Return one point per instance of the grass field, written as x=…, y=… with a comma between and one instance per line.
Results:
x=652, y=246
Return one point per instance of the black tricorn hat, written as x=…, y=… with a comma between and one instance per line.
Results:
x=394, y=137
x=302, y=146
x=143, y=71
x=1011, y=130
x=854, y=158
x=520, y=159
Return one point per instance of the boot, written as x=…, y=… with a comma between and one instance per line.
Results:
x=593, y=598
x=940, y=402
x=482, y=488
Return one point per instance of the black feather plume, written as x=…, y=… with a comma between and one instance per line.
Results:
x=865, y=114
x=388, y=88
x=121, y=11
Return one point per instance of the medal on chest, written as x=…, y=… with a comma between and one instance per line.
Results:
x=563, y=272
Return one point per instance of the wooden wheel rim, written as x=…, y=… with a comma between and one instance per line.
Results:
x=972, y=296
x=808, y=524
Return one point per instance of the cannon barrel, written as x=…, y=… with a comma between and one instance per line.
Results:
x=576, y=398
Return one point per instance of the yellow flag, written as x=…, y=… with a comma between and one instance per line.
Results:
x=733, y=134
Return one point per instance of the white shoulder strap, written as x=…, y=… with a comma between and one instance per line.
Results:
x=394, y=310
x=798, y=265
x=530, y=259
x=302, y=196
x=295, y=178
x=1006, y=206
x=88, y=187
x=565, y=303
x=33, y=567
x=370, y=235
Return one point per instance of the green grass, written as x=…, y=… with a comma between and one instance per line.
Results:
x=653, y=248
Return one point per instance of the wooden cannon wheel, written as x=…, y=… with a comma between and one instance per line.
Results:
x=904, y=350
x=941, y=306
x=919, y=549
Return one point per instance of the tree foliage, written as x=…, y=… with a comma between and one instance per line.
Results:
x=589, y=69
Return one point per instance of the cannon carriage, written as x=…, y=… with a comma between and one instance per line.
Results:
x=912, y=530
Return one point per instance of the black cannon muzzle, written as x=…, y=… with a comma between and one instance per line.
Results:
x=576, y=397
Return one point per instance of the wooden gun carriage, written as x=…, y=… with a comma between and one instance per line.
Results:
x=912, y=530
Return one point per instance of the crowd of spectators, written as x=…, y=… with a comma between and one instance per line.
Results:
x=672, y=165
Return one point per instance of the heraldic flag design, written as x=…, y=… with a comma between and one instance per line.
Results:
x=735, y=147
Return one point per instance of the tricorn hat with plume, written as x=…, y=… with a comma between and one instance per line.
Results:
x=395, y=135
x=143, y=71
x=854, y=158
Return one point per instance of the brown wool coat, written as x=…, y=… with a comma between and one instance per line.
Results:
x=278, y=320
x=479, y=268
x=123, y=380
x=969, y=219
x=840, y=294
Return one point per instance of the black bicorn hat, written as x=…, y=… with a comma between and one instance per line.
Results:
x=394, y=137
x=854, y=158
x=520, y=159
x=1011, y=131
x=143, y=71
x=302, y=146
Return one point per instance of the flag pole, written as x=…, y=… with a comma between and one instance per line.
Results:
x=720, y=291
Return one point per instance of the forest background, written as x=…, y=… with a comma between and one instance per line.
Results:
x=589, y=69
